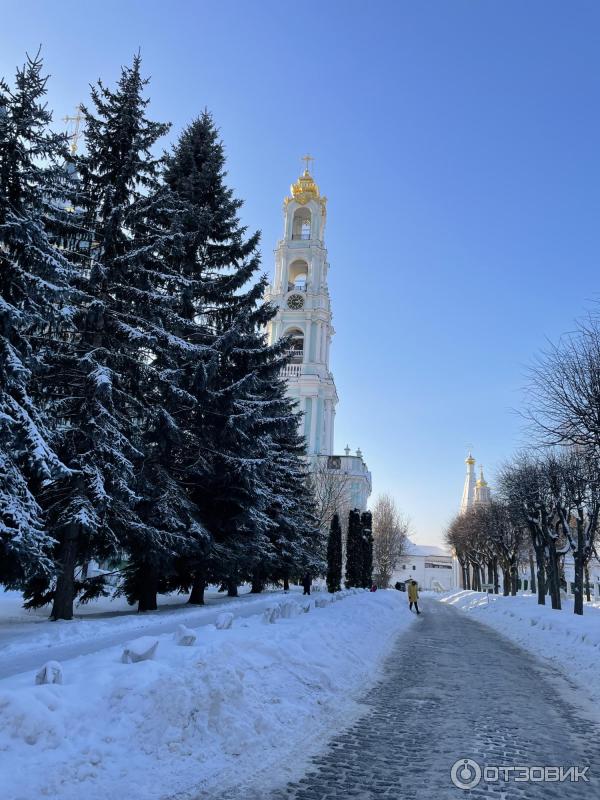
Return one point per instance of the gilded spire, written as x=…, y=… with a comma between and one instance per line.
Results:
x=305, y=188
x=482, y=481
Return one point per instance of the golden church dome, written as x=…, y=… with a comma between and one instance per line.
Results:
x=305, y=189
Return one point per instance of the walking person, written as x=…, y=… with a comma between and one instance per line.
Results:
x=413, y=595
x=306, y=582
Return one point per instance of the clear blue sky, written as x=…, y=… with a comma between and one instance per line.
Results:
x=457, y=142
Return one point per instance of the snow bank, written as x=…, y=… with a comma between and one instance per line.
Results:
x=23, y=631
x=570, y=643
x=255, y=697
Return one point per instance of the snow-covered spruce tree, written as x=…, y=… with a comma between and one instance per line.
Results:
x=334, y=555
x=144, y=228
x=296, y=541
x=235, y=495
x=245, y=452
x=33, y=283
x=213, y=262
x=366, y=523
x=115, y=388
x=354, y=550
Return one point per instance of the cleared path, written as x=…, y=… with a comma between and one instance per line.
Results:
x=454, y=689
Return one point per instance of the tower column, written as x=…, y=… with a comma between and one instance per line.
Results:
x=307, y=308
x=468, y=496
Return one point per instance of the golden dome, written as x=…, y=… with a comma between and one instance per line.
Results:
x=304, y=189
x=469, y=459
x=481, y=481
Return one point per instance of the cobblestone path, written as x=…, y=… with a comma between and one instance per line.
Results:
x=453, y=689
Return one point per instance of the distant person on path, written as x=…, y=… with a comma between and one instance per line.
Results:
x=306, y=582
x=413, y=595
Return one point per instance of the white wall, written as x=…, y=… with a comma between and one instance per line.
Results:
x=414, y=567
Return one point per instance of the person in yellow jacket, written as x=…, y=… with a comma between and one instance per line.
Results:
x=413, y=595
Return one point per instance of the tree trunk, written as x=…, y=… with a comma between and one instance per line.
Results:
x=514, y=576
x=496, y=578
x=578, y=558
x=198, y=586
x=588, y=593
x=286, y=583
x=148, y=589
x=541, y=575
x=505, y=581
x=554, y=579
x=532, y=572
x=257, y=583
x=64, y=594
x=578, y=604
x=232, y=589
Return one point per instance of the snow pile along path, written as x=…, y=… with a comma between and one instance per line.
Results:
x=571, y=643
x=101, y=623
x=258, y=696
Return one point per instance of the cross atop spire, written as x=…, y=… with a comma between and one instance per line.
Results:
x=307, y=159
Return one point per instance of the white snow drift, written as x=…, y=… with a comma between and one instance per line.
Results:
x=253, y=697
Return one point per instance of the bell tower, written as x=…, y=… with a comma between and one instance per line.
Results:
x=468, y=495
x=300, y=293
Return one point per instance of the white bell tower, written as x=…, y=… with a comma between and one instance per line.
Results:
x=299, y=291
x=468, y=495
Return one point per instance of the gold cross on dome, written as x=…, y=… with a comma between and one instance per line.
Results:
x=76, y=120
x=307, y=159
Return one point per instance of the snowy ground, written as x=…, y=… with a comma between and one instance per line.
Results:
x=568, y=642
x=28, y=638
x=253, y=702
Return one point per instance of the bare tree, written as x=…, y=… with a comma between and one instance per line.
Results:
x=576, y=488
x=564, y=390
x=457, y=541
x=530, y=486
x=506, y=538
x=484, y=539
x=390, y=532
x=564, y=409
x=331, y=490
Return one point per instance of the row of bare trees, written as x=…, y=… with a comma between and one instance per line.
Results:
x=487, y=541
x=548, y=499
x=390, y=535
